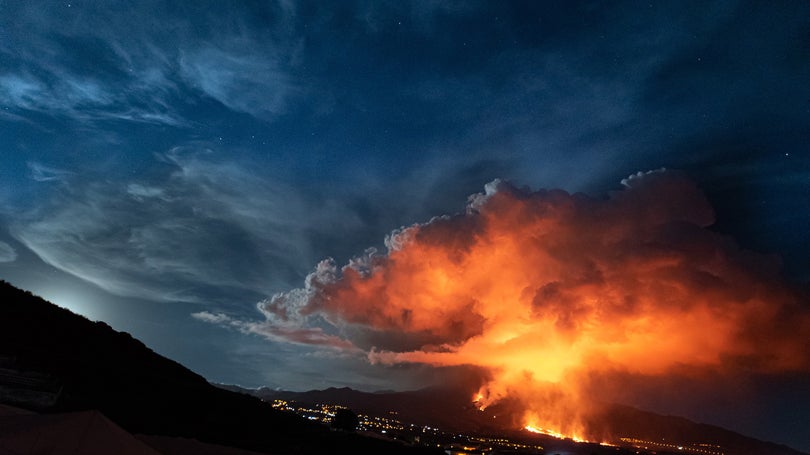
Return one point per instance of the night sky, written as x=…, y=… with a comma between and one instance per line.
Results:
x=169, y=167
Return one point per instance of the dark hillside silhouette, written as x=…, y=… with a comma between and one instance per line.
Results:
x=83, y=365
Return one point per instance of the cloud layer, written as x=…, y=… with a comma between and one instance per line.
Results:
x=95, y=64
x=195, y=231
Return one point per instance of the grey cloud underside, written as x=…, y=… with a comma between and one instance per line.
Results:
x=190, y=234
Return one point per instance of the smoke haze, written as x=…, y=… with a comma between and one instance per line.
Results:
x=561, y=298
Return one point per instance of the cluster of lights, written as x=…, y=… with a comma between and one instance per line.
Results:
x=504, y=443
x=381, y=424
x=325, y=413
x=322, y=413
x=708, y=449
x=282, y=405
x=420, y=434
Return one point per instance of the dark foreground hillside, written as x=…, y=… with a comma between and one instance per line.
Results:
x=52, y=361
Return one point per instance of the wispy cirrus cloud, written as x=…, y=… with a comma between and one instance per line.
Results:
x=201, y=227
x=97, y=65
x=253, y=84
x=310, y=336
x=7, y=253
x=42, y=173
x=86, y=98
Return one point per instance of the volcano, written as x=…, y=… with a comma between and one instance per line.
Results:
x=59, y=364
x=451, y=409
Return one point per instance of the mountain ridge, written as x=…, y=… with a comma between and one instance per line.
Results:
x=452, y=410
x=93, y=367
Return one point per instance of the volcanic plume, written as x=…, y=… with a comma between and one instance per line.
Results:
x=546, y=290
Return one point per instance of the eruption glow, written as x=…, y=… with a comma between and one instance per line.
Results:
x=544, y=290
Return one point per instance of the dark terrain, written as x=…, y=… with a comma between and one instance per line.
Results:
x=53, y=361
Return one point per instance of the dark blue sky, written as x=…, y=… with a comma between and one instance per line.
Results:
x=160, y=159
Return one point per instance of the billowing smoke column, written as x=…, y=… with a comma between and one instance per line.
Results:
x=547, y=289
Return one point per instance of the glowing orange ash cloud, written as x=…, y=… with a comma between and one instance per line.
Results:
x=544, y=289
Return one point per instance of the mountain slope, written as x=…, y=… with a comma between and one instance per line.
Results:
x=451, y=410
x=88, y=365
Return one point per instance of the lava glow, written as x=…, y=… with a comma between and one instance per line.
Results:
x=533, y=429
x=544, y=290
